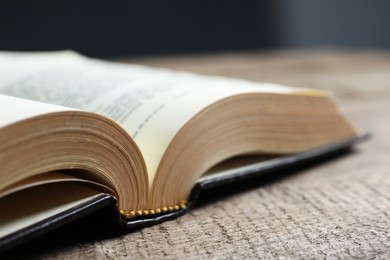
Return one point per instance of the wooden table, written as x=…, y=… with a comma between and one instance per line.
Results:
x=340, y=208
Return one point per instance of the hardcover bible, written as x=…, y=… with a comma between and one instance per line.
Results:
x=75, y=132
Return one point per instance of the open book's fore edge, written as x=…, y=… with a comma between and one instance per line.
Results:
x=56, y=221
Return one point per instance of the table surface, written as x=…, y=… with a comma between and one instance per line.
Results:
x=339, y=208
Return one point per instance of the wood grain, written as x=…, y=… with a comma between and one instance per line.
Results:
x=338, y=209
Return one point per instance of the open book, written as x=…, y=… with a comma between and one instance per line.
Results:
x=77, y=134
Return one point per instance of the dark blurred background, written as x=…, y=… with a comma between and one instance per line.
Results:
x=104, y=28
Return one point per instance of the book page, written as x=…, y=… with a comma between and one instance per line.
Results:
x=151, y=104
x=13, y=109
